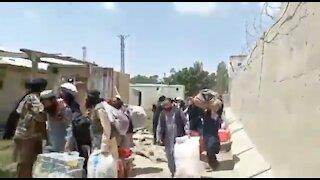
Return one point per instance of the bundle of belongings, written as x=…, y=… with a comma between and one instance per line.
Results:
x=210, y=100
x=58, y=165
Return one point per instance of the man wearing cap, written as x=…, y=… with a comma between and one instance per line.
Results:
x=30, y=128
x=59, y=119
x=103, y=137
x=68, y=94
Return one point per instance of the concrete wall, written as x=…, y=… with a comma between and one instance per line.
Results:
x=150, y=93
x=276, y=95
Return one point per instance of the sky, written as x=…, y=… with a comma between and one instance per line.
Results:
x=163, y=35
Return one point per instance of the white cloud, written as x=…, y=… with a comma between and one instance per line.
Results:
x=199, y=8
x=109, y=5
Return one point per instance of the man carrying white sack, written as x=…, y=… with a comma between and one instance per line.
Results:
x=102, y=161
x=172, y=124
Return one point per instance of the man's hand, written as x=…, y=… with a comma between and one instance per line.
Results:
x=68, y=147
x=188, y=134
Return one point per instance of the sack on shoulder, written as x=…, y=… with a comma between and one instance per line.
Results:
x=118, y=119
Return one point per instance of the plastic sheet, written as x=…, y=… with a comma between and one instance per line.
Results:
x=186, y=153
x=102, y=166
x=58, y=165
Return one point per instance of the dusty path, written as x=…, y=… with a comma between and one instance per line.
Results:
x=242, y=161
x=145, y=168
x=150, y=160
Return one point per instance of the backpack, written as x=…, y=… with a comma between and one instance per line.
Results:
x=81, y=129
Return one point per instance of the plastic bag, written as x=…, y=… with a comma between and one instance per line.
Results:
x=102, y=166
x=51, y=165
x=186, y=154
x=224, y=135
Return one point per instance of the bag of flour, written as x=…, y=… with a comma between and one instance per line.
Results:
x=186, y=154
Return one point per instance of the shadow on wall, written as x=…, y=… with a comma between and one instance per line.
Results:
x=276, y=96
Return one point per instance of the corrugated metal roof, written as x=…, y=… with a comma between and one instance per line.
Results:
x=27, y=63
x=21, y=62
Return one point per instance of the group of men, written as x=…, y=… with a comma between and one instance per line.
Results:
x=172, y=119
x=57, y=119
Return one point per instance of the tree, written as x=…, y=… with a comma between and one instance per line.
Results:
x=193, y=78
x=145, y=79
x=222, y=78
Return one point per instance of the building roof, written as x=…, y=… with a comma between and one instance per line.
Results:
x=27, y=63
x=21, y=62
x=155, y=85
x=59, y=61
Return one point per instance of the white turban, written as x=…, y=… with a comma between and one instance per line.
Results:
x=70, y=88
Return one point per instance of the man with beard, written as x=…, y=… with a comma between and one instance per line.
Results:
x=30, y=129
x=58, y=121
x=78, y=135
x=156, y=113
x=127, y=141
x=172, y=124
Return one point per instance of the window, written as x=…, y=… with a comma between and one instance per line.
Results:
x=177, y=89
x=1, y=84
x=157, y=88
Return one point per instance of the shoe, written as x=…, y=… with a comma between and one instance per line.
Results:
x=215, y=165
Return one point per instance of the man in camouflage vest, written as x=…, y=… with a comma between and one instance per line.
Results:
x=31, y=129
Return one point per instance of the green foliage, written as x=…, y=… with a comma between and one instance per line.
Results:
x=222, y=78
x=145, y=79
x=193, y=78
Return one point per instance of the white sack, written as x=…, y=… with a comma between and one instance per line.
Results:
x=187, y=160
x=102, y=166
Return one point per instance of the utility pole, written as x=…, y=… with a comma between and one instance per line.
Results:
x=122, y=46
